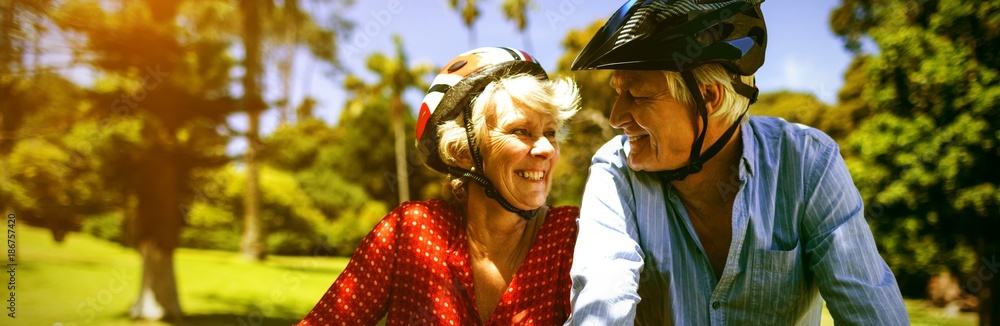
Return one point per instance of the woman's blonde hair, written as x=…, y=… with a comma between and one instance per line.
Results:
x=732, y=102
x=557, y=97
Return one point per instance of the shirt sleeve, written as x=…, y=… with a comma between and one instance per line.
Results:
x=607, y=259
x=565, y=282
x=360, y=295
x=851, y=275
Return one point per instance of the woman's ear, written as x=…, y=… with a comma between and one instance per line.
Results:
x=464, y=161
x=712, y=94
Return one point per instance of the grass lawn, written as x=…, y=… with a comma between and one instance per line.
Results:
x=88, y=281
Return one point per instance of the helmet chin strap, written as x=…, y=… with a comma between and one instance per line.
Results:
x=698, y=159
x=491, y=191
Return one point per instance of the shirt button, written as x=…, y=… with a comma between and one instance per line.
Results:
x=716, y=305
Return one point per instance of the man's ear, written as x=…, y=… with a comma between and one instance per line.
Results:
x=712, y=94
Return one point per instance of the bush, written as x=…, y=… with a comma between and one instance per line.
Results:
x=105, y=226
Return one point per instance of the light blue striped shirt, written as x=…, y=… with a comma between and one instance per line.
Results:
x=798, y=232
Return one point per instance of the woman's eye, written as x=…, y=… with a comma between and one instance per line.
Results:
x=550, y=134
x=519, y=132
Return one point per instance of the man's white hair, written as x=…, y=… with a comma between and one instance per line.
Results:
x=732, y=102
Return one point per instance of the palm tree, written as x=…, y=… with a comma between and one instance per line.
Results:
x=282, y=29
x=252, y=246
x=469, y=11
x=517, y=11
x=395, y=77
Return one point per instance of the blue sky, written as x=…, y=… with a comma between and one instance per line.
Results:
x=802, y=54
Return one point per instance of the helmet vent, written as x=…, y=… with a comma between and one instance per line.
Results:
x=753, y=12
x=457, y=65
x=759, y=36
x=720, y=31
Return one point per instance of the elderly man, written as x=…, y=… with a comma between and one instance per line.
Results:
x=702, y=215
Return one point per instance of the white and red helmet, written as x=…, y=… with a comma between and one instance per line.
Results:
x=457, y=84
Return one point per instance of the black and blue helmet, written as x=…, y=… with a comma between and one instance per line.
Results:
x=678, y=35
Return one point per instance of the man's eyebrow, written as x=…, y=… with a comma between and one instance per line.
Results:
x=620, y=82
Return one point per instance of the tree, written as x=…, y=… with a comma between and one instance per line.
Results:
x=52, y=181
x=252, y=246
x=517, y=11
x=284, y=28
x=395, y=77
x=469, y=11
x=163, y=81
x=589, y=129
x=372, y=163
x=19, y=22
x=924, y=160
x=794, y=107
x=317, y=156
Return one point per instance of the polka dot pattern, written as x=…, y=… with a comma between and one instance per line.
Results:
x=415, y=266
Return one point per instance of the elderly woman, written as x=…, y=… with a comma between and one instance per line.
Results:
x=494, y=254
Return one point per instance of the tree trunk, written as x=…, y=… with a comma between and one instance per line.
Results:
x=987, y=273
x=158, y=298
x=157, y=234
x=5, y=182
x=472, y=36
x=286, y=67
x=252, y=245
x=402, y=176
x=526, y=37
x=989, y=306
x=36, y=49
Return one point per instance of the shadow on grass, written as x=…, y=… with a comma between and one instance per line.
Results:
x=333, y=271
x=237, y=320
x=220, y=319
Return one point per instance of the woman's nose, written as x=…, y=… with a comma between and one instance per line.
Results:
x=543, y=147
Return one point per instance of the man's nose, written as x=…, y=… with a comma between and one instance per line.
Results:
x=620, y=113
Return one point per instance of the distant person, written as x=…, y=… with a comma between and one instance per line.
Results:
x=701, y=215
x=494, y=254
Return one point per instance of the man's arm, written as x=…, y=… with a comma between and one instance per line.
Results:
x=852, y=276
x=607, y=258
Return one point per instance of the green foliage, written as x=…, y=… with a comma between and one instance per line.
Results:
x=589, y=129
x=313, y=198
x=801, y=108
x=364, y=154
x=926, y=156
x=293, y=223
x=106, y=226
x=395, y=76
x=351, y=227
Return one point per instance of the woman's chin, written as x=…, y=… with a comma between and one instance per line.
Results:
x=532, y=204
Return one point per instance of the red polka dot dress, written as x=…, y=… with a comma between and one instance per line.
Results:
x=415, y=267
